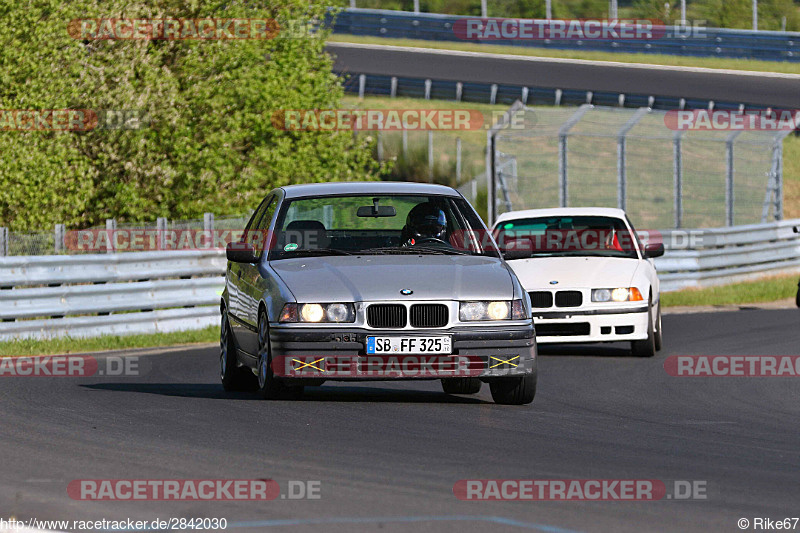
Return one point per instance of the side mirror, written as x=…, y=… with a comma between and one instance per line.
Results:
x=512, y=254
x=654, y=250
x=241, y=252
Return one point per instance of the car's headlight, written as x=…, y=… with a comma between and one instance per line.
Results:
x=336, y=312
x=496, y=310
x=621, y=294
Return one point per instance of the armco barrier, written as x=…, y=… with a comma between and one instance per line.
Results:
x=737, y=253
x=714, y=42
x=109, y=294
x=149, y=292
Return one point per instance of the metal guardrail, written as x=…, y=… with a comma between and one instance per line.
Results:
x=727, y=255
x=713, y=42
x=150, y=292
x=109, y=294
x=494, y=93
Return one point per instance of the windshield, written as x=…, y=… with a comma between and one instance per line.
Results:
x=567, y=236
x=379, y=224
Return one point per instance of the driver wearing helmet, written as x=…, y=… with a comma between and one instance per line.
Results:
x=425, y=224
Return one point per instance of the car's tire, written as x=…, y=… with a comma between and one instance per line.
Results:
x=658, y=332
x=514, y=391
x=269, y=387
x=646, y=347
x=461, y=385
x=233, y=377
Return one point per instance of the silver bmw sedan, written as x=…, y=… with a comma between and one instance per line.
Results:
x=373, y=281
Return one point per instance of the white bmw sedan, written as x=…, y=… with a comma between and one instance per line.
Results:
x=589, y=277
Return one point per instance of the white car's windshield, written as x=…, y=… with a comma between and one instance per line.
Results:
x=567, y=236
x=378, y=224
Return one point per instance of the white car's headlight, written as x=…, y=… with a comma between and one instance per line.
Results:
x=496, y=310
x=621, y=294
x=337, y=312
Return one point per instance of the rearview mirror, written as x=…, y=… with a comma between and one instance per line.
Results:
x=241, y=252
x=376, y=211
x=654, y=250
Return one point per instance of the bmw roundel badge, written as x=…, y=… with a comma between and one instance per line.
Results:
x=554, y=282
x=406, y=292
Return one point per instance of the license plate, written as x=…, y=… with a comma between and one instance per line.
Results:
x=409, y=345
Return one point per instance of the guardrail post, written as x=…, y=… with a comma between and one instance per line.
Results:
x=729, y=174
x=416, y=6
x=428, y=83
x=493, y=95
x=3, y=242
x=559, y=92
x=111, y=226
x=161, y=230
x=60, y=232
x=208, y=222
x=379, y=145
x=524, y=95
x=394, y=87
x=459, y=91
x=405, y=143
x=362, y=83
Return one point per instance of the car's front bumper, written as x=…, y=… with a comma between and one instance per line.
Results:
x=340, y=354
x=591, y=325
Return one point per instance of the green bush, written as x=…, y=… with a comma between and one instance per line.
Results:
x=209, y=143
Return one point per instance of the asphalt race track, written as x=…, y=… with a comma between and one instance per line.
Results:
x=755, y=88
x=388, y=454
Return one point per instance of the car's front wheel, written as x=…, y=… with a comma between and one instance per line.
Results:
x=646, y=347
x=659, y=337
x=269, y=387
x=233, y=377
x=514, y=391
x=461, y=385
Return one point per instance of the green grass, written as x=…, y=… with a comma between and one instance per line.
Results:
x=651, y=59
x=67, y=345
x=767, y=289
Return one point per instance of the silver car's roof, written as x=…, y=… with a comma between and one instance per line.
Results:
x=365, y=187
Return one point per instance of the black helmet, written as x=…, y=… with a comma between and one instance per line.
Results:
x=426, y=221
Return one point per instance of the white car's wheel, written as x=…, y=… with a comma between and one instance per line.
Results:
x=646, y=347
x=659, y=339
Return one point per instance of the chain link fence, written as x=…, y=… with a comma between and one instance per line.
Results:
x=630, y=158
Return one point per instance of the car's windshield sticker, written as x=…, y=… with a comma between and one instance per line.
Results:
x=290, y=247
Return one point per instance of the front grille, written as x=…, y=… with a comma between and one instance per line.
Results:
x=569, y=299
x=429, y=316
x=386, y=316
x=541, y=299
x=562, y=330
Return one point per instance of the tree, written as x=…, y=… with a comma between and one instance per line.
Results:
x=207, y=141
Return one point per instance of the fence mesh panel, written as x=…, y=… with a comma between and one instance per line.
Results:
x=629, y=158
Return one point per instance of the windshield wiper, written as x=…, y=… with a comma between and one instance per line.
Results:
x=314, y=252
